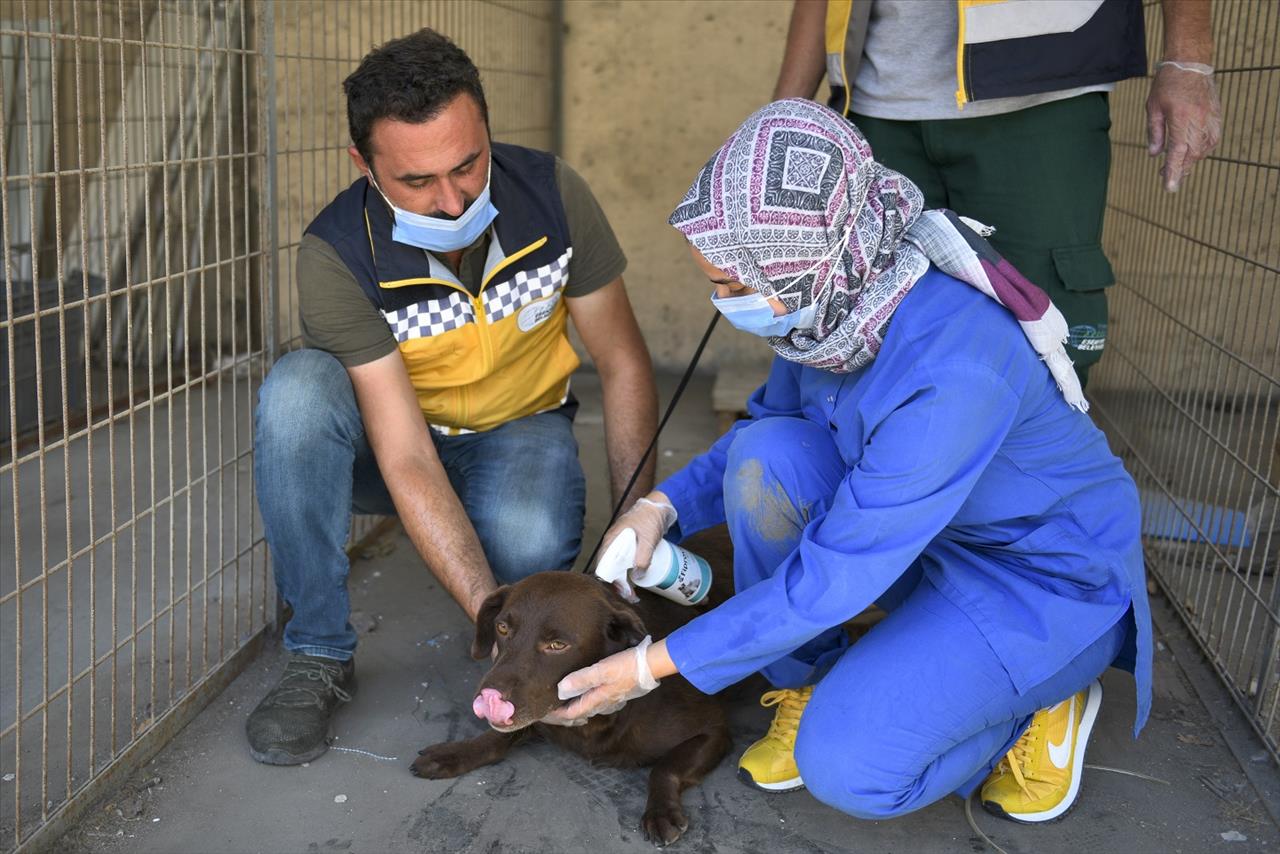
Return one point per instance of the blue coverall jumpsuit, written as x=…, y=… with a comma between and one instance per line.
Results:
x=950, y=482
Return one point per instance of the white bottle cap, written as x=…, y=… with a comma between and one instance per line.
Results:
x=616, y=560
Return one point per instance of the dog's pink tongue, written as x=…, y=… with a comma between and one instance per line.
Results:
x=489, y=705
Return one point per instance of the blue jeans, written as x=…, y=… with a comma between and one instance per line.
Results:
x=521, y=485
x=918, y=708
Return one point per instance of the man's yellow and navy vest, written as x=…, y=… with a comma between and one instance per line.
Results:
x=1006, y=48
x=475, y=362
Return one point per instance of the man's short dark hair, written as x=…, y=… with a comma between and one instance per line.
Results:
x=410, y=79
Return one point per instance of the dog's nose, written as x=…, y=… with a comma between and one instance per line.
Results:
x=490, y=706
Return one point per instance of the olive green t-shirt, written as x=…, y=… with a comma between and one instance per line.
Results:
x=338, y=318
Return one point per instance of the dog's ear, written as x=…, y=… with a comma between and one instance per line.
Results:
x=624, y=629
x=482, y=646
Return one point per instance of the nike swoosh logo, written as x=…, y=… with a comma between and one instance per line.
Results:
x=1060, y=754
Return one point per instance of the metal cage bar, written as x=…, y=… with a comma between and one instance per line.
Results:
x=159, y=160
x=1190, y=388
x=116, y=120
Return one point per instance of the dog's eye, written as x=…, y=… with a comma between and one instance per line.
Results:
x=556, y=646
x=501, y=628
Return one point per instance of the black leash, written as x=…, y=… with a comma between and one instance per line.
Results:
x=675, y=398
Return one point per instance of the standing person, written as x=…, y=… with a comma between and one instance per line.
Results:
x=1001, y=111
x=435, y=294
x=920, y=443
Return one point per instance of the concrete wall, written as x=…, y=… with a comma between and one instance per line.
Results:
x=652, y=89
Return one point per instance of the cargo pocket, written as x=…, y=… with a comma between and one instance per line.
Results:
x=1085, y=273
x=1083, y=268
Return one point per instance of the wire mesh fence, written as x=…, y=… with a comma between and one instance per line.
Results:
x=1190, y=386
x=132, y=339
x=159, y=160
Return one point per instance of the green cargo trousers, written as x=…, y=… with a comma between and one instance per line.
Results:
x=1039, y=176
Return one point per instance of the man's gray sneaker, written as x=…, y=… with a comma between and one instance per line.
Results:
x=291, y=724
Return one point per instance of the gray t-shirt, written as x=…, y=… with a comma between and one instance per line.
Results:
x=908, y=67
x=338, y=318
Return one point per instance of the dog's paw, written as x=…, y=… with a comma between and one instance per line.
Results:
x=441, y=761
x=664, y=824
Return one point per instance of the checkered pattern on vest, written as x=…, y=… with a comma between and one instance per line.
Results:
x=437, y=316
x=430, y=317
x=506, y=298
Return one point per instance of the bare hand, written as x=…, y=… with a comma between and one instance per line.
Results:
x=1184, y=118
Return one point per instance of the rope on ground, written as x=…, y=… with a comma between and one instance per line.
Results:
x=968, y=814
x=367, y=753
x=1129, y=774
x=973, y=825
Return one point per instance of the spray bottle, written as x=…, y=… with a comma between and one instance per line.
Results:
x=673, y=572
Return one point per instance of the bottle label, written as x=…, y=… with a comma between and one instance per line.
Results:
x=687, y=574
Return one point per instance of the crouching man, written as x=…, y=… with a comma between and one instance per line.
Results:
x=434, y=295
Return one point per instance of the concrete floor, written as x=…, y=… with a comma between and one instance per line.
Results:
x=203, y=793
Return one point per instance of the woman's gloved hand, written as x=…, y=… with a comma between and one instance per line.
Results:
x=604, y=687
x=650, y=517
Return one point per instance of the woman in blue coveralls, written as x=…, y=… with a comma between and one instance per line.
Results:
x=921, y=444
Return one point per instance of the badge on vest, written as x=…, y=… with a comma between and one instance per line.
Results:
x=536, y=313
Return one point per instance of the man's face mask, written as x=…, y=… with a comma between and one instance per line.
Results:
x=437, y=234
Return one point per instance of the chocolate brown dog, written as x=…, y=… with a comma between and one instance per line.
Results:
x=553, y=623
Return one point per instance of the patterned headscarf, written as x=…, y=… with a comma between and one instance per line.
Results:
x=794, y=205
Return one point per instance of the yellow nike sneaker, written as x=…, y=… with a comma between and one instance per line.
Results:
x=1039, y=779
x=770, y=763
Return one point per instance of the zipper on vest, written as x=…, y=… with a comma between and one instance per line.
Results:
x=836, y=36
x=483, y=327
x=511, y=259
x=961, y=83
x=483, y=331
x=486, y=354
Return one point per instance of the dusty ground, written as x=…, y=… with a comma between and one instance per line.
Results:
x=204, y=794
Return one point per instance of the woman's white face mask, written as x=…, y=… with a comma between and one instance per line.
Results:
x=753, y=312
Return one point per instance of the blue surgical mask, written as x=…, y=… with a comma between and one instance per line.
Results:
x=436, y=234
x=753, y=313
